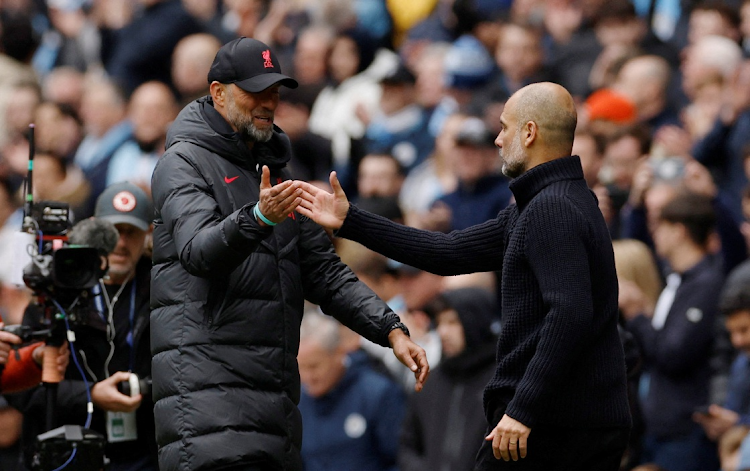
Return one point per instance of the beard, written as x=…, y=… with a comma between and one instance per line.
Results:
x=244, y=124
x=513, y=160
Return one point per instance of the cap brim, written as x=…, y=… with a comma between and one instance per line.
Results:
x=261, y=82
x=123, y=219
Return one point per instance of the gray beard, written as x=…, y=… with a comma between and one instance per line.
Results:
x=512, y=168
x=245, y=127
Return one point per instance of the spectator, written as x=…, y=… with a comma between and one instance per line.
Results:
x=191, y=60
x=468, y=322
x=351, y=413
x=432, y=179
x=722, y=149
x=735, y=306
x=379, y=175
x=311, y=58
x=712, y=17
x=639, y=285
x=64, y=86
x=520, y=57
x=399, y=124
x=678, y=340
x=353, y=93
x=645, y=81
x=72, y=41
x=151, y=110
x=482, y=189
x=141, y=50
x=113, y=343
x=312, y=154
x=103, y=111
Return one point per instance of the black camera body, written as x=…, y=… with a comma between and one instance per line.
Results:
x=59, y=272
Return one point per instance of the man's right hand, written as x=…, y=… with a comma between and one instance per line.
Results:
x=105, y=395
x=7, y=340
x=277, y=201
x=327, y=209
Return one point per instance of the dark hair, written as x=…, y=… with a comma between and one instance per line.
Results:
x=639, y=132
x=729, y=14
x=18, y=39
x=437, y=305
x=735, y=295
x=619, y=10
x=695, y=212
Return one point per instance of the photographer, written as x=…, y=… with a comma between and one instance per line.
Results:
x=113, y=342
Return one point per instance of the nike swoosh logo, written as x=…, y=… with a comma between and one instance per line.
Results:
x=230, y=180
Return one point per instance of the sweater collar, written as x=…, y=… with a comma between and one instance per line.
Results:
x=531, y=182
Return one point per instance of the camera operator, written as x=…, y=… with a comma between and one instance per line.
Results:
x=113, y=343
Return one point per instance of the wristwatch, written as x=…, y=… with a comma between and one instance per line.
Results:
x=400, y=325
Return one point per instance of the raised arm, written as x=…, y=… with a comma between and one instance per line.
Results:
x=206, y=242
x=476, y=249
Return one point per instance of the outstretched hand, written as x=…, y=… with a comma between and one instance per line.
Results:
x=277, y=201
x=411, y=355
x=327, y=209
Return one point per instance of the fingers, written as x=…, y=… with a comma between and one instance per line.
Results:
x=513, y=448
x=119, y=377
x=265, y=178
x=7, y=337
x=337, y=189
x=522, y=446
x=422, y=372
x=310, y=190
x=497, y=444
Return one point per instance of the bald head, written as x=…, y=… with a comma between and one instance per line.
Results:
x=537, y=125
x=191, y=60
x=551, y=107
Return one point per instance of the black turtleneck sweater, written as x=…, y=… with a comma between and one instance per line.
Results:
x=560, y=360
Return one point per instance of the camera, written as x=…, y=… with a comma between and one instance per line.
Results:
x=135, y=385
x=668, y=168
x=60, y=272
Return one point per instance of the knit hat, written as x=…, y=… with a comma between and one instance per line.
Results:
x=467, y=64
x=609, y=105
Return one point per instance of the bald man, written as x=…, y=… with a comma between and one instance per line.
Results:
x=558, y=397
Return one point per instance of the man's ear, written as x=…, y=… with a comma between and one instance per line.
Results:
x=530, y=131
x=218, y=93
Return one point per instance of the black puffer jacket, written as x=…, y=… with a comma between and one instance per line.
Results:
x=227, y=300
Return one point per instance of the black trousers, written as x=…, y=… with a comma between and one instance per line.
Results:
x=599, y=449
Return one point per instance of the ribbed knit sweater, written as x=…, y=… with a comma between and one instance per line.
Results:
x=560, y=362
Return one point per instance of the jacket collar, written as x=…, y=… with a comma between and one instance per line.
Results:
x=531, y=182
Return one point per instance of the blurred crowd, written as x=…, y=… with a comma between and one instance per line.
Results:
x=402, y=98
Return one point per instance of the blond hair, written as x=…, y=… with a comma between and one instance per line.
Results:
x=635, y=262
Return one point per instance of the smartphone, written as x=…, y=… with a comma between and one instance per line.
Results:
x=668, y=168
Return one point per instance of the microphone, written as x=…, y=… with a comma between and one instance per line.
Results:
x=95, y=232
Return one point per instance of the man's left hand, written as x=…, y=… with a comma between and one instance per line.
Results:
x=509, y=439
x=411, y=355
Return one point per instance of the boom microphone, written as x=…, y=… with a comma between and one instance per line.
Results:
x=97, y=233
